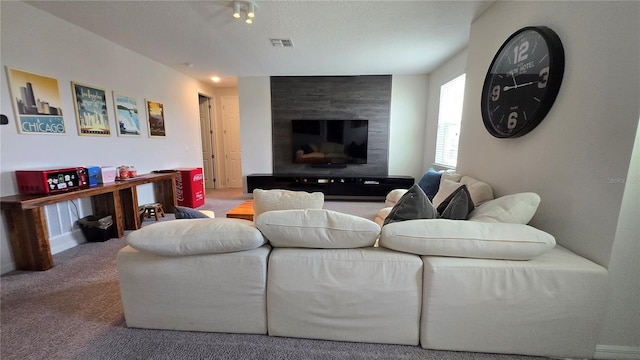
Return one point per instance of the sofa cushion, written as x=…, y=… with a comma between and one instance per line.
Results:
x=516, y=208
x=447, y=187
x=317, y=228
x=182, y=212
x=382, y=214
x=456, y=206
x=451, y=176
x=414, y=204
x=196, y=236
x=267, y=200
x=393, y=196
x=480, y=191
x=430, y=182
x=442, y=237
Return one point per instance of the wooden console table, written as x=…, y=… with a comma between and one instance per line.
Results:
x=26, y=220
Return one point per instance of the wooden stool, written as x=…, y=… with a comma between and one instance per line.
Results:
x=154, y=210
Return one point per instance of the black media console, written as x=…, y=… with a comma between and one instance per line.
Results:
x=333, y=187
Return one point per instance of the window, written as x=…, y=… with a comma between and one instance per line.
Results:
x=449, y=118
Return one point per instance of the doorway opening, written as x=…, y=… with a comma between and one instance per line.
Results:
x=208, y=141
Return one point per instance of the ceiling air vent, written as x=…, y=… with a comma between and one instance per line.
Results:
x=281, y=42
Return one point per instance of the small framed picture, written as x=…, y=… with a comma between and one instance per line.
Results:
x=36, y=103
x=90, y=103
x=155, y=119
x=127, y=120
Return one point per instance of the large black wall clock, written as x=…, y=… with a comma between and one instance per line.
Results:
x=522, y=82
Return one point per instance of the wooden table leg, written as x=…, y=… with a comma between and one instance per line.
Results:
x=29, y=238
x=129, y=199
x=109, y=204
x=165, y=193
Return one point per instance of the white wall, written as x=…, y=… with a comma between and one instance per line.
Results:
x=37, y=42
x=408, y=116
x=255, y=126
x=578, y=158
x=408, y=122
x=586, y=139
x=622, y=319
x=448, y=71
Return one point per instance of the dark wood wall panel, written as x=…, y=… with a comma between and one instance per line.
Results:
x=331, y=97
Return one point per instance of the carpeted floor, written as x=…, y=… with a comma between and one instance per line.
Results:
x=74, y=311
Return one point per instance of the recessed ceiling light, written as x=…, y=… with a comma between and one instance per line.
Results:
x=215, y=79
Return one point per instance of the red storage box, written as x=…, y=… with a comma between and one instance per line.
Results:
x=49, y=181
x=190, y=187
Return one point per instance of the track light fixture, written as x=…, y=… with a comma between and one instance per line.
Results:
x=246, y=7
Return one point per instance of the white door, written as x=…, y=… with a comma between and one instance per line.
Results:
x=206, y=131
x=231, y=136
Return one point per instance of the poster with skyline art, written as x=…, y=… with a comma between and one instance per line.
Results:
x=155, y=119
x=36, y=103
x=91, y=110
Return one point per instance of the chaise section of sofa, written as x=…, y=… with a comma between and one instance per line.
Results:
x=550, y=305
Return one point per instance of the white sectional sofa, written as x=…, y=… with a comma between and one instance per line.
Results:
x=314, y=273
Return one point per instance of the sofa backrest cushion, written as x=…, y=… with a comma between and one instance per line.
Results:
x=515, y=208
x=196, y=236
x=268, y=200
x=480, y=191
x=317, y=228
x=443, y=237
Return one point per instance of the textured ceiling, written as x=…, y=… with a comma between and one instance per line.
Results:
x=329, y=37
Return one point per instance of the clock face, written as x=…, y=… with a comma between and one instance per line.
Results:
x=522, y=82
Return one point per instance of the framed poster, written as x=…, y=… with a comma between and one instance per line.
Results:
x=36, y=103
x=127, y=121
x=91, y=110
x=155, y=118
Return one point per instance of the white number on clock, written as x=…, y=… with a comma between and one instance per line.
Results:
x=520, y=52
x=495, y=93
x=544, y=74
x=513, y=121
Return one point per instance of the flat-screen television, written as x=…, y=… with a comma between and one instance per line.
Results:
x=329, y=141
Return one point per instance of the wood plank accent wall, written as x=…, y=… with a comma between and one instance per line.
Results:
x=331, y=97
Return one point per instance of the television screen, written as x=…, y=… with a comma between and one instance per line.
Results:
x=330, y=141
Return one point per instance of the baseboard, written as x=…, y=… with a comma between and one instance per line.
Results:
x=7, y=266
x=66, y=241
x=616, y=352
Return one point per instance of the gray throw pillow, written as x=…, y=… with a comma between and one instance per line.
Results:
x=414, y=204
x=182, y=212
x=456, y=206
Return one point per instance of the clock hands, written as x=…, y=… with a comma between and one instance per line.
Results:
x=507, y=87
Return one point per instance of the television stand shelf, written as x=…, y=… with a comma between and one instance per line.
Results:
x=333, y=187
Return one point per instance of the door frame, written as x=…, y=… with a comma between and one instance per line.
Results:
x=212, y=135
